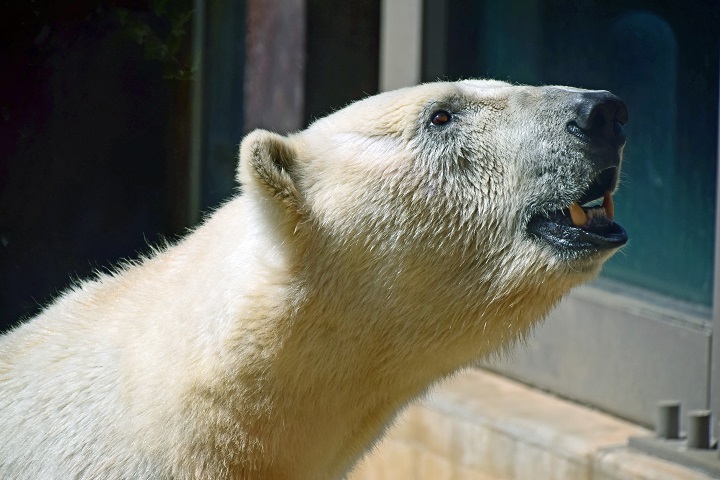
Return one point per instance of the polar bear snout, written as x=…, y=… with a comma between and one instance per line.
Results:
x=599, y=117
x=593, y=141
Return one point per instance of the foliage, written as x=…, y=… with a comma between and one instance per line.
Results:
x=162, y=31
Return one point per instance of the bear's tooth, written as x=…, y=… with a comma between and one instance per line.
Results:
x=577, y=214
x=609, y=205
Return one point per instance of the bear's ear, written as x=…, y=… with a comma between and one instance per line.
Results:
x=267, y=161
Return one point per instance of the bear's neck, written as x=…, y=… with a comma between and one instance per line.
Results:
x=320, y=354
x=356, y=347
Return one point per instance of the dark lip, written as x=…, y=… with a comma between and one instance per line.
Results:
x=556, y=228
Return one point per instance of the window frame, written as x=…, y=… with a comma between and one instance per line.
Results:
x=656, y=348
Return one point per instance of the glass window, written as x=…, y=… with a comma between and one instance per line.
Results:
x=662, y=59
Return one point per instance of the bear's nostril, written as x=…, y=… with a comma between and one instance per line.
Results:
x=600, y=116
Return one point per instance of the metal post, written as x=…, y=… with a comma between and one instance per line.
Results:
x=196, y=102
x=698, y=432
x=400, y=43
x=714, y=374
x=668, y=420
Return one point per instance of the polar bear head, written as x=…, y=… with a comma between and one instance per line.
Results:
x=457, y=200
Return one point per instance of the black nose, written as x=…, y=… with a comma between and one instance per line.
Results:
x=599, y=118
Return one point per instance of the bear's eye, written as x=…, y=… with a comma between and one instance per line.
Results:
x=441, y=117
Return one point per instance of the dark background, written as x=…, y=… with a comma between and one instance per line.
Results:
x=95, y=124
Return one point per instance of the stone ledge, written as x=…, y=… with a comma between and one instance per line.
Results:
x=481, y=426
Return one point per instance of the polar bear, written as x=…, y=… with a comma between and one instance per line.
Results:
x=381, y=249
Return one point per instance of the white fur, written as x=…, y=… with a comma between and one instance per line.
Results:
x=368, y=257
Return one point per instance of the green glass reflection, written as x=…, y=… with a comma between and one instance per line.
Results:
x=667, y=199
x=665, y=67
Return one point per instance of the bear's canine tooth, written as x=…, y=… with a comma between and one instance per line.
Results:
x=609, y=205
x=577, y=214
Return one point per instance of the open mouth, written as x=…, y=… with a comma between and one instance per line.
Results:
x=584, y=224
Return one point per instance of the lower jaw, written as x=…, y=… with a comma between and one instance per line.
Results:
x=577, y=241
x=586, y=263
